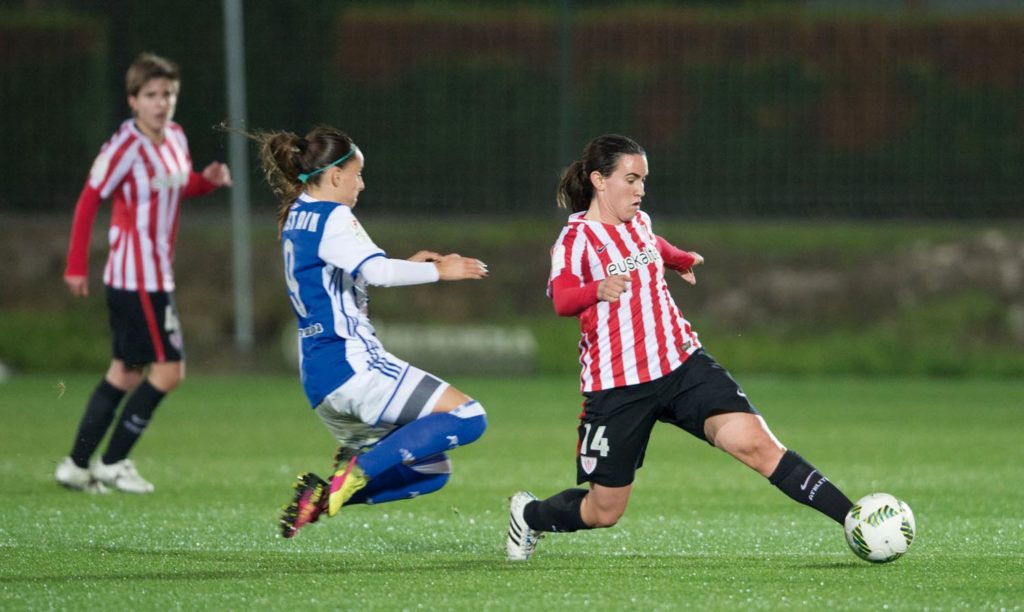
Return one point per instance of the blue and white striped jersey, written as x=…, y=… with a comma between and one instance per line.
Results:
x=324, y=247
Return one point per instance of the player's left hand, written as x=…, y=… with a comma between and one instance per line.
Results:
x=218, y=174
x=424, y=256
x=687, y=274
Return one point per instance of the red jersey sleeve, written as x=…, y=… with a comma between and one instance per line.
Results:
x=571, y=296
x=675, y=258
x=81, y=231
x=197, y=185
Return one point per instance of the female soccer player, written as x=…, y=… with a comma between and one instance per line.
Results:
x=642, y=362
x=147, y=169
x=393, y=421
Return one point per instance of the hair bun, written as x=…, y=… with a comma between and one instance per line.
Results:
x=302, y=144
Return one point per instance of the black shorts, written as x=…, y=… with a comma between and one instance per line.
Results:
x=145, y=327
x=616, y=423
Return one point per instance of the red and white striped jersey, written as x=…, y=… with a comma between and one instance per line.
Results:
x=641, y=337
x=147, y=182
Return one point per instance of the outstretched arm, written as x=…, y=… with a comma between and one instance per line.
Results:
x=453, y=266
x=430, y=256
x=424, y=267
x=679, y=260
x=213, y=176
x=456, y=267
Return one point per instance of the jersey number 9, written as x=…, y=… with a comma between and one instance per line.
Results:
x=291, y=281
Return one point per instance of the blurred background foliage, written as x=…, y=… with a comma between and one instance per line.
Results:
x=852, y=170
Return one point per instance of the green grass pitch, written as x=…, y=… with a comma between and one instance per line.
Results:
x=702, y=531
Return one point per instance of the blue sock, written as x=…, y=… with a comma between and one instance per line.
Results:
x=404, y=482
x=425, y=437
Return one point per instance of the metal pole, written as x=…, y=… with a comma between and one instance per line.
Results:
x=566, y=85
x=238, y=160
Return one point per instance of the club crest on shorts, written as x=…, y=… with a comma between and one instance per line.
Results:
x=588, y=464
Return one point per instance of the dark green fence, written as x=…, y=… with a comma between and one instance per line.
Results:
x=476, y=107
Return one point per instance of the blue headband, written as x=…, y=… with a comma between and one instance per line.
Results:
x=305, y=177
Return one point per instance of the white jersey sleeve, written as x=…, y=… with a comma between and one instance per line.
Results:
x=345, y=244
x=384, y=272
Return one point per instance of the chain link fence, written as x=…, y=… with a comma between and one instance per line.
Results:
x=777, y=110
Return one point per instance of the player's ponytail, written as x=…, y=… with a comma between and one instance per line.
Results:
x=280, y=157
x=575, y=191
x=291, y=162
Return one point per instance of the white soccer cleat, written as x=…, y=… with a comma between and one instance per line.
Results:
x=122, y=476
x=521, y=539
x=79, y=479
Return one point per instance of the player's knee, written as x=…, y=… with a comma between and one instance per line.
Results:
x=124, y=377
x=166, y=376
x=472, y=421
x=433, y=474
x=761, y=454
x=767, y=458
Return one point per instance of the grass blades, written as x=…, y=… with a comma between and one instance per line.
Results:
x=702, y=532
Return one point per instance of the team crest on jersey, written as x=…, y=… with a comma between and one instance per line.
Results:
x=589, y=464
x=358, y=230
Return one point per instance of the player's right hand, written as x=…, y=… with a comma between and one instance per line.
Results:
x=78, y=285
x=612, y=287
x=457, y=267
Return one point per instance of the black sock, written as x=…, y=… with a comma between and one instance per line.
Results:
x=560, y=512
x=138, y=410
x=802, y=482
x=96, y=419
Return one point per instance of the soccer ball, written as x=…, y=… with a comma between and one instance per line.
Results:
x=879, y=528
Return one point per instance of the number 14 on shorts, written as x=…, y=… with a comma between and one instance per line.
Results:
x=598, y=443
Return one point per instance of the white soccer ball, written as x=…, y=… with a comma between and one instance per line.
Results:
x=879, y=528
